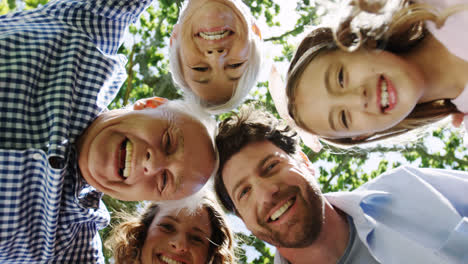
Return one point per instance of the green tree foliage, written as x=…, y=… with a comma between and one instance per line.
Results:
x=146, y=48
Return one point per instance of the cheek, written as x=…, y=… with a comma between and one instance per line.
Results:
x=200, y=254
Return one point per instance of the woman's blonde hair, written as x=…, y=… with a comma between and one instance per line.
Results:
x=404, y=30
x=247, y=81
x=128, y=237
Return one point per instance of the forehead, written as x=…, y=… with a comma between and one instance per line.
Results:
x=218, y=90
x=188, y=219
x=246, y=161
x=193, y=5
x=311, y=96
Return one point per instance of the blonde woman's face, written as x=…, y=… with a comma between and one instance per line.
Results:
x=177, y=237
x=342, y=94
x=214, y=48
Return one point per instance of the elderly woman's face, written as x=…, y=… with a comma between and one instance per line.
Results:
x=178, y=237
x=151, y=154
x=214, y=48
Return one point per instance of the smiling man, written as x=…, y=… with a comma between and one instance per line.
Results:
x=265, y=180
x=61, y=149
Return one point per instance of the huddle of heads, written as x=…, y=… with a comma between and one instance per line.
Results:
x=343, y=84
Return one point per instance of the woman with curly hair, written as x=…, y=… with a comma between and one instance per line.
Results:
x=383, y=69
x=171, y=232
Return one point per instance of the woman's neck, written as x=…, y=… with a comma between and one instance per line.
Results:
x=445, y=74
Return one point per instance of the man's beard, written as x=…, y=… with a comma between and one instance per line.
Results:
x=301, y=231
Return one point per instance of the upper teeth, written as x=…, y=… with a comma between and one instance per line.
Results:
x=214, y=35
x=169, y=260
x=384, y=94
x=128, y=159
x=281, y=210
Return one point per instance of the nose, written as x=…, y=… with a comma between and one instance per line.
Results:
x=355, y=99
x=267, y=191
x=154, y=163
x=216, y=52
x=179, y=243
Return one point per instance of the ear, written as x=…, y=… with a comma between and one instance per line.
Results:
x=151, y=102
x=457, y=119
x=174, y=34
x=256, y=30
x=362, y=137
x=306, y=162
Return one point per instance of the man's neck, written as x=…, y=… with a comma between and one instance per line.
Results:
x=329, y=246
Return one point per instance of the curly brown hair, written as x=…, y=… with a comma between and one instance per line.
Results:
x=404, y=32
x=240, y=129
x=128, y=237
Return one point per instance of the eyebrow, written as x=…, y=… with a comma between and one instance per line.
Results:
x=234, y=78
x=328, y=88
x=259, y=168
x=327, y=78
x=203, y=81
x=197, y=229
x=331, y=120
x=172, y=218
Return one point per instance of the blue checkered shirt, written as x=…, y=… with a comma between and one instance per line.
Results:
x=59, y=69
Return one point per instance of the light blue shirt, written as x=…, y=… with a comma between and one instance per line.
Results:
x=410, y=215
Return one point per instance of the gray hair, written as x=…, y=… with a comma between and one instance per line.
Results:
x=247, y=81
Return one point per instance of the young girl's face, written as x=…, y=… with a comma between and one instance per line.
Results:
x=178, y=237
x=342, y=94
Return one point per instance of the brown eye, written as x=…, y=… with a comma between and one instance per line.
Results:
x=166, y=143
x=164, y=179
x=200, y=69
x=168, y=228
x=344, y=119
x=244, y=192
x=235, y=65
x=341, y=78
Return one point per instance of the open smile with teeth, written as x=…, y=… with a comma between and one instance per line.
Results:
x=169, y=260
x=283, y=209
x=387, y=95
x=384, y=96
x=215, y=35
x=125, y=158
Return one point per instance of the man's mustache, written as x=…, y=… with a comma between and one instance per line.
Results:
x=277, y=198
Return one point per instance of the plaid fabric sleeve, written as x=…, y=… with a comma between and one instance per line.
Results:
x=104, y=21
